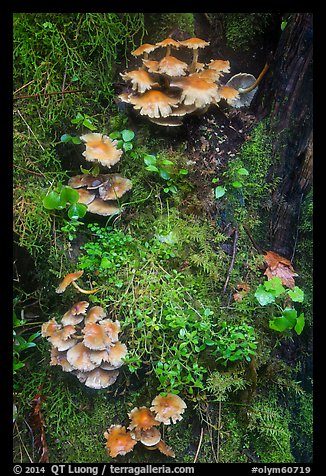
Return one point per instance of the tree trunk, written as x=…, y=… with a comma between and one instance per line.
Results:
x=285, y=95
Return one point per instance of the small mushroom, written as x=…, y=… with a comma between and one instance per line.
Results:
x=166, y=121
x=140, y=79
x=115, y=187
x=210, y=75
x=116, y=353
x=243, y=82
x=150, y=437
x=194, y=44
x=165, y=449
x=62, y=340
x=154, y=103
x=142, y=419
x=112, y=328
x=95, y=337
x=60, y=358
x=196, y=91
x=69, y=278
x=79, y=358
x=221, y=66
x=144, y=49
x=86, y=180
x=172, y=66
x=98, y=378
x=99, y=207
x=118, y=441
x=168, y=43
x=75, y=315
x=168, y=408
x=231, y=95
x=95, y=314
x=151, y=65
x=100, y=148
x=49, y=328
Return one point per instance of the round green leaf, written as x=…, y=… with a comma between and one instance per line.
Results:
x=69, y=194
x=219, y=192
x=164, y=174
x=65, y=138
x=296, y=294
x=236, y=184
x=77, y=210
x=150, y=159
x=127, y=135
x=300, y=324
x=115, y=135
x=151, y=168
x=242, y=171
x=183, y=172
x=127, y=146
x=52, y=201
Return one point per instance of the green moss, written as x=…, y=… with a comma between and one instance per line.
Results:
x=243, y=29
x=161, y=25
x=302, y=426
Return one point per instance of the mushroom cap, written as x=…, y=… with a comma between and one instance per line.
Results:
x=86, y=180
x=168, y=42
x=60, y=358
x=112, y=328
x=94, y=314
x=67, y=280
x=100, y=148
x=140, y=79
x=62, y=338
x=145, y=48
x=75, y=315
x=98, y=378
x=172, y=66
x=150, y=437
x=99, y=207
x=99, y=357
x=182, y=110
x=118, y=441
x=115, y=187
x=168, y=408
x=85, y=196
x=142, y=418
x=79, y=358
x=49, y=328
x=194, y=43
x=151, y=65
x=154, y=103
x=125, y=97
x=210, y=75
x=165, y=449
x=229, y=94
x=196, y=91
x=243, y=81
x=220, y=65
x=116, y=353
x=95, y=336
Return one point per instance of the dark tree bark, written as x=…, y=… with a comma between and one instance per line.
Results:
x=285, y=95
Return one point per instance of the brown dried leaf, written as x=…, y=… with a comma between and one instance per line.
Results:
x=279, y=266
x=37, y=425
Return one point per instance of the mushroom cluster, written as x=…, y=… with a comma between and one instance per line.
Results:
x=100, y=192
x=143, y=426
x=167, y=89
x=86, y=343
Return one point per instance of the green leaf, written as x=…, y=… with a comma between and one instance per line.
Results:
x=115, y=135
x=242, y=171
x=105, y=263
x=77, y=210
x=300, y=324
x=283, y=25
x=287, y=321
x=274, y=286
x=183, y=172
x=166, y=162
x=264, y=297
x=65, y=138
x=88, y=123
x=219, y=192
x=52, y=201
x=150, y=159
x=236, y=184
x=119, y=144
x=76, y=140
x=151, y=168
x=296, y=294
x=127, y=146
x=69, y=194
x=127, y=135
x=164, y=174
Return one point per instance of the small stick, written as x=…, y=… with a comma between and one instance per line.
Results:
x=199, y=444
x=49, y=94
x=257, y=247
x=236, y=235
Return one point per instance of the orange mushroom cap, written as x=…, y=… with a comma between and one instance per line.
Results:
x=229, y=94
x=85, y=196
x=154, y=103
x=69, y=278
x=142, y=418
x=151, y=65
x=219, y=65
x=119, y=441
x=49, y=328
x=100, y=148
x=116, y=353
x=196, y=91
x=95, y=337
x=210, y=75
x=60, y=358
x=79, y=358
x=140, y=79
x=194, y=43
x=112, y=328
x=145, y=48
x=169, y=42
x=100, y=207
x=98, y=378
x=95, y=314
x=168, y=408
x=172, y=66
x=62, y=340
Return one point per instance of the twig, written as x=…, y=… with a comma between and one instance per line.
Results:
x=199, y=444
x=28, y=127
x=24, y=86
x=236, y=234
x=218, y=430
x=49, y=94
x=257, y=247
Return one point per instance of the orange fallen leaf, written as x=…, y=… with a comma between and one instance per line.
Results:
x=279, y=266
x=243, y=289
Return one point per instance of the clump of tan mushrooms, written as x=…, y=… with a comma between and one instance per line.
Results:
x=86, y=343
x=143, y=426
x=101, y=192
x=167, y=89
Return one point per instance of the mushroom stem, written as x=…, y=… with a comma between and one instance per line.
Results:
x=168, y=50
x=91, y=291
x=192, y=67
x=260, y=77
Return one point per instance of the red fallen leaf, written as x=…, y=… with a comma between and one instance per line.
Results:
x=279, y=266
x=37, y=425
